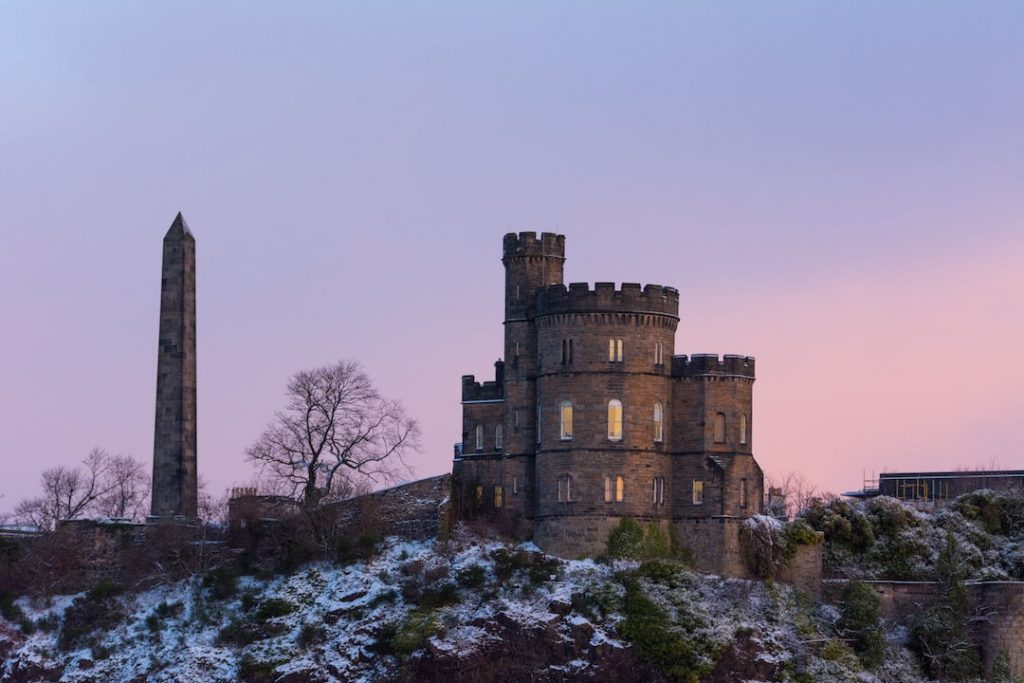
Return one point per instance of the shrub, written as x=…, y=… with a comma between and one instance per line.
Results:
x=941, y=635
x=440, y=595
x=507, y=563
x=97, y=610
x=8, y=609
x=222, y=582
x=1002, y=672
x=543, y=568
x=673, y=651
x=630, y=540
x=403, y=638
x=762, y=545
x=252, y=670
x=273, y=608
x=860, y=622
x=363, y=547
x=473, y=576
x=842, y=523
x=795, y=534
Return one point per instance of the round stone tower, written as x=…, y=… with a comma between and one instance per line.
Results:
x=603, y=401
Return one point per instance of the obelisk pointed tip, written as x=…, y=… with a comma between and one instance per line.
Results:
x=178, y=228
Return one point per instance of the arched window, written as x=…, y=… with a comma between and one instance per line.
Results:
x=615, y=420
x=719, y=427
x=565, y=489
x=743, y=429
x=479, y=437
x=566, y=419
x=499, y=437
x=659, y=421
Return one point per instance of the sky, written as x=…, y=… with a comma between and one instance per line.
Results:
x=835, y=188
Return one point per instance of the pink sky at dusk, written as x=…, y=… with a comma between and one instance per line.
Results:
x=835, y=190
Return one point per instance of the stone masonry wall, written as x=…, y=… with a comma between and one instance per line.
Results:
x=1001, y=603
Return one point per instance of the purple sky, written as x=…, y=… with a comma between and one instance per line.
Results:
x=835, y=188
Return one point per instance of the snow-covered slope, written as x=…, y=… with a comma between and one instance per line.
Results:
x=467, y=609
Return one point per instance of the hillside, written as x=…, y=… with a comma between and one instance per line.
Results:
x=468, y=609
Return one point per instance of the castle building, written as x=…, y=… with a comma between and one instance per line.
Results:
x=592, y=418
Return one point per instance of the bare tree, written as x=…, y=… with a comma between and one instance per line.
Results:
x=336, y=432
x=113, y=486
x=796, y=491
x=126, y=489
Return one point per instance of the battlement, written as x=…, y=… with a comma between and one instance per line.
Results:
x=485, y=391
x=703, y=364
x=578, y=297
x=528, y=244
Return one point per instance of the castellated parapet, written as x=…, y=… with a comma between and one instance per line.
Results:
x=605, y=298
x=592, y=418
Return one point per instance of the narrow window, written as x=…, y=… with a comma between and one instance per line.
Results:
x=499, y=496
x=743, y=429
x=570, y=352
x=607, y=489
x=538, y=423
x=611, y=350
x=659, y=421
x=518, y=295
x=478, y=494
x=565, y=351
x=698, y=492
x=516, y=419
x=658, y=491
x=565, y=489
x=619, y=486
x=743, y=493
x=719, y=427
x=515, y=356
x=615, y=420
x=499, y=437
x=659, y=353
x=618, y=350
x=479, y=437
x=515, y=485
x=566, y=421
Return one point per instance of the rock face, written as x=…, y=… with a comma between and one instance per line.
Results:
x=516, y=652
x=175, y=491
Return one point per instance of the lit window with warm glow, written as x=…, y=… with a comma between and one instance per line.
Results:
x=499, y=496
x=659, y=421
x=566, y=428
x=698, y=492
x=620, y=486
x=615, y=420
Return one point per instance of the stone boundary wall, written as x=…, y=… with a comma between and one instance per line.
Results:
x=1001, y=603
x=803, y=570
x=416, y=510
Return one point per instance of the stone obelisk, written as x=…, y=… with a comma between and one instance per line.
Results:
x=175, y=490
